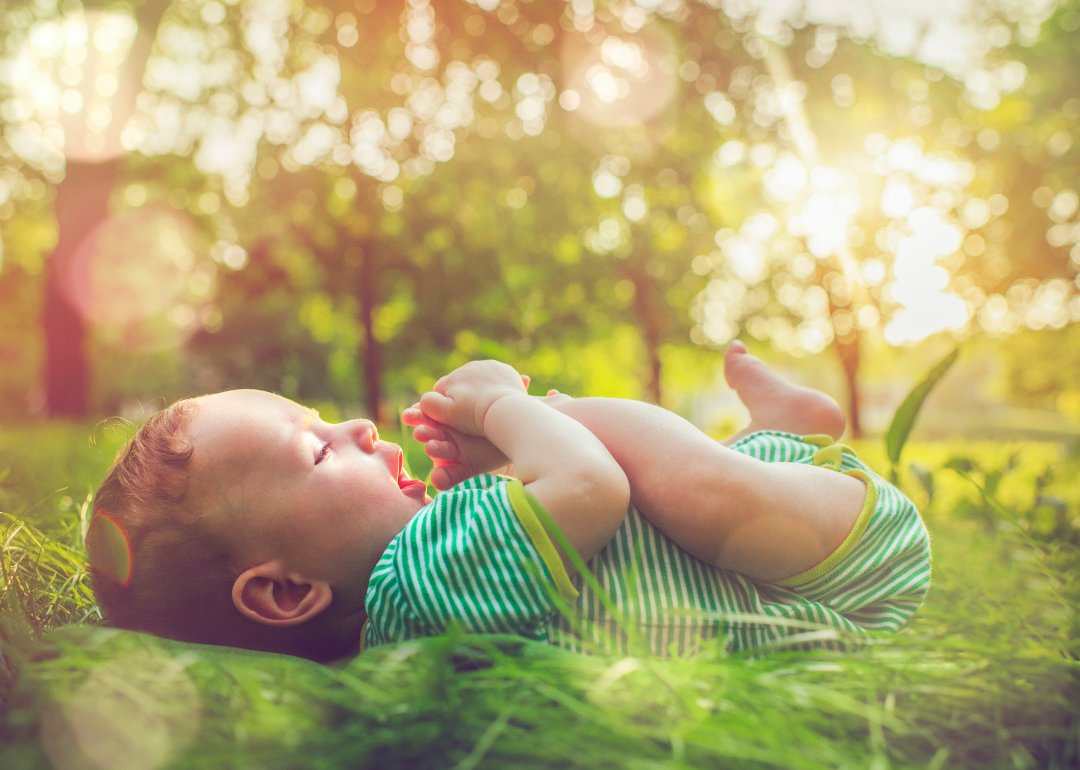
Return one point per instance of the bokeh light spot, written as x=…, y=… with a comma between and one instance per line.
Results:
x=136, y=712
x=133, y=268
x=621, y=81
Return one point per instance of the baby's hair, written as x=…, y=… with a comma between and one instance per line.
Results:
x=158, y=566
x=175, y=578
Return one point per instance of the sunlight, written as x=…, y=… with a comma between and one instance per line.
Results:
x=605, y=85
x=897, y=199
x=920, y=285
x=621, y=81
x=730, y=153
x=929, y=312
x=634, y=207
x=1051, y=304
x=606, y=184
x=930, y=230
x=420, y=28
x=63, y=78
x=908, y=287
x=533, y=92
x=786, y=178
x=626, y=55
x=721, y=108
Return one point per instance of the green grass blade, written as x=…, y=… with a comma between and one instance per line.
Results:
x=904, y=419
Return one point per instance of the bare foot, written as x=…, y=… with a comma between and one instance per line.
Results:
x=775, y=404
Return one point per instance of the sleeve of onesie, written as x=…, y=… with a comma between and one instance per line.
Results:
x=477, y=557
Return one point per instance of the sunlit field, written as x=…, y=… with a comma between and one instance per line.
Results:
x=983, y=677
x=340, y=201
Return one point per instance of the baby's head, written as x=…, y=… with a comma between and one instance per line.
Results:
x=251, y=523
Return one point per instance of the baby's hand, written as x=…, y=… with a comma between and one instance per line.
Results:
x=461, y=399
x=456, y=455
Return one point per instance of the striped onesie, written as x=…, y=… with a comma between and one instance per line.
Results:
x=479, y=557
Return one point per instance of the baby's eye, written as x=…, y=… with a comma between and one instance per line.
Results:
x=323, y=451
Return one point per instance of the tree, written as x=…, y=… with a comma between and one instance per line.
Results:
x=581, y=251
x=81, y=198
x=206, y=88
x=412, y=185
x=890, y=223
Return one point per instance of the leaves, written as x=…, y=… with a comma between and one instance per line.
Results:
x=926, y=479
x=904, y=419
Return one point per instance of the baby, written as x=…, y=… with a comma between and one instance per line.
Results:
x=242, y=519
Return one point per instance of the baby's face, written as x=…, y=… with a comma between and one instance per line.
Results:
x=323, y=499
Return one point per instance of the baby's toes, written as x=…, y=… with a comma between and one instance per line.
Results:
x=444, y=477
x=441, y=450
x=425, y=433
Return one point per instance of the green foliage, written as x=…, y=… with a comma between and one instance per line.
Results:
x=355, y=297
x=1043, y=369
x=24, y=243
x=983, y=677
x=904, y=419
x=50, y=468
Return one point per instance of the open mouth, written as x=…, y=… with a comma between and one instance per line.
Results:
x=410, y=486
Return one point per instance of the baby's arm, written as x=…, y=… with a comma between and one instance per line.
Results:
x=768, y=521
x=562, y=464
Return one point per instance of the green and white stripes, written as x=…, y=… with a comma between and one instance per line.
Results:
x=472, y=558
x=464, y=559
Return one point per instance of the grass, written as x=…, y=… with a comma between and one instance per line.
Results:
x=984, y=677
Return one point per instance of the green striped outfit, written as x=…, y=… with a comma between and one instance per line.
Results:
x=479, y=557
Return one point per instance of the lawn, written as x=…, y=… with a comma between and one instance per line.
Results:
x=984, y=677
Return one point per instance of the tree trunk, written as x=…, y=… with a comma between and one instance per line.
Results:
x=645, y=305
x=81, y=205
x=367, y=291
x=848, y=349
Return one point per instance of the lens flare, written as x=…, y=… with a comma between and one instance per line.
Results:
x=132, y=273
x=622, y=81
x=133, y=713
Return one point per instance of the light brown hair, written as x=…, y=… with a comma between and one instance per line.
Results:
x=181, y=571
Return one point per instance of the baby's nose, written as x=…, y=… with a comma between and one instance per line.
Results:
x=364, y=433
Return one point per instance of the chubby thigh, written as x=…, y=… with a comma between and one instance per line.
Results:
x=768, y=514
x=666, y=600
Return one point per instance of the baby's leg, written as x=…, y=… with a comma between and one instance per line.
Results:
x=775, y=404
x=768, y=521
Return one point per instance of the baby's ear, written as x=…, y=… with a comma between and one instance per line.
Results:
x=270, y=595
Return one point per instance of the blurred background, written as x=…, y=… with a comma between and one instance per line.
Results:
x=341, y=200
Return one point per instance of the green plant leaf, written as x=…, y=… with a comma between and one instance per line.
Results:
x=959, y=464
x=926, y=478
x=904, y=419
